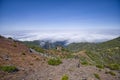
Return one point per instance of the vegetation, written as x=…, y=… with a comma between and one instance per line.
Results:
x=38, y=49
x=14, y=45
x=8, y=68
x=97, y=76
x=23, y=53
x=69, y=55
x=75, y=47
x=84, y=63
x=54, y=61
x=100, y=66
x=114, y=66
x=111, y=73
x=65, y=77
x=47, y=44
x=106, y=54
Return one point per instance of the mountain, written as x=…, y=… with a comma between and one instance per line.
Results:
x=104, y=54
x=75, y=47
x=20, y=62
x=46, y=44
x=85, y=45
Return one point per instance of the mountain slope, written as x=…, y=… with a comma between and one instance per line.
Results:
x=15, y=53
x=45, y=44
x=33, y=66
x=104, y=54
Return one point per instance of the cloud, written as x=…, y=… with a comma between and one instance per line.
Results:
x=70, y=36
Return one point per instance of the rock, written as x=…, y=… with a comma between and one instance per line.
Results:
x=84, y=78
x=78, y=65
x=6, y=57
x=50, y=79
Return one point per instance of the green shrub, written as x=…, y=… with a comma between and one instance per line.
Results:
x=114, y=66
x=54, y=61
x=111, y=73
x=38, y=49
x=100, y=66
x=84, y=63
x=97, y=76
x=65, y=77
x=8, y=68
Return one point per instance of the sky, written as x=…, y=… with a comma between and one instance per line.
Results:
x=60, y=16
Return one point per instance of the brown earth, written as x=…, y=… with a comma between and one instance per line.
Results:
x=34, y=67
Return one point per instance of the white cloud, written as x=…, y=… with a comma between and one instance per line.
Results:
x=70, y=36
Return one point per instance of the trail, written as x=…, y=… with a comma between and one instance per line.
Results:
x=68, y=67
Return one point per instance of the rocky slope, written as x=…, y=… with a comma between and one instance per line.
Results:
x=14, y=53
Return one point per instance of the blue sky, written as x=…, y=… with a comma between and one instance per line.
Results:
x=59, y=14
x=72, y=20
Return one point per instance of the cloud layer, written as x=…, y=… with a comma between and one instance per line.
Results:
x=70, y=36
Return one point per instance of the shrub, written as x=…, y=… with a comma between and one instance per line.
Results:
x=65, y=77
x=100, y=66
x=97, y=76
x=37, y=59
x=14, y=45
x=23, y=53
x=8, y=68
x=114, y=66
x=38, y=49
x=111, y=73
x=84, y=63
x=54, y=61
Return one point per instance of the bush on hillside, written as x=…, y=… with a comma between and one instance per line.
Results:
x=84, y=63
x=100, y=66
x=8, y=68
x=97, y=76
x=114, y=66
x=111, y=73
x=15, y=45
x=65, y=77
x=54, y=62
x=38, y=49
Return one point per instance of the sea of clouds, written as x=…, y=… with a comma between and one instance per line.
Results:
x=69, y=36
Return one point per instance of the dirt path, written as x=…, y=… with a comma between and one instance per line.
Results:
x=69, y=67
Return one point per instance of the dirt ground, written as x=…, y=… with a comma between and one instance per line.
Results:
x=69, y=67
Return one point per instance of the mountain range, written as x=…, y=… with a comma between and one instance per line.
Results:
x=104, y=53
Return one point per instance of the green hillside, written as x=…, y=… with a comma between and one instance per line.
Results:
x=106, y=54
